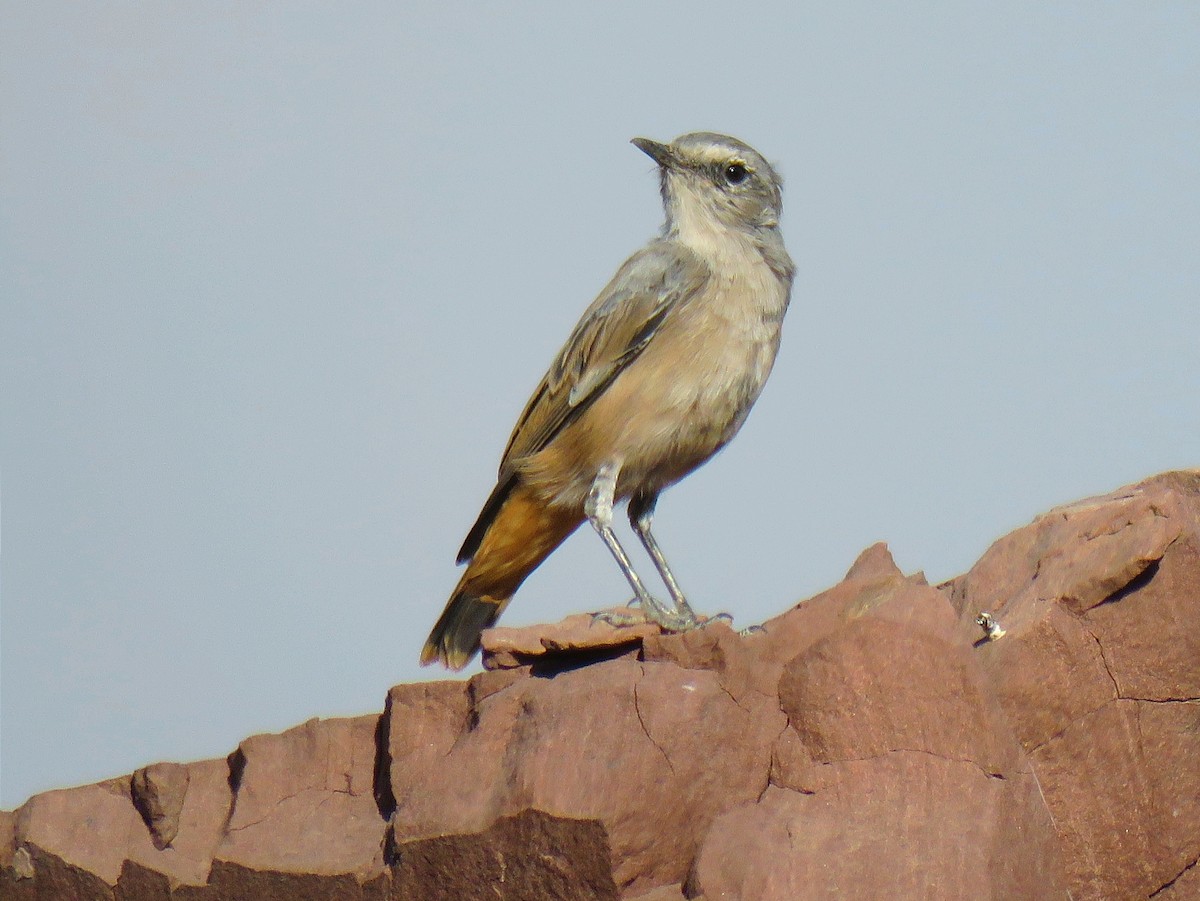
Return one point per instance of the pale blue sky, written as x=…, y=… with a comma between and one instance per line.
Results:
x=277, y=278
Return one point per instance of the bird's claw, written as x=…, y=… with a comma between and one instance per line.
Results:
x=617, y=619
x=727, y=618
x=667, y=618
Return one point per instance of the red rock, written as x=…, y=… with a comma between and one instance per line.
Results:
x=873, y=565
x=751, y=665
x=528, y=857
x=893, y=678
x=305, y=802
x=871, y=742
x=1047, y=674
x=422, y=723
x=158, y=793
x=1148, y=632
x=1123, y=786
x=1080, y=554
x=622, y=742
x=897, y=775
x=673, y=892
x=1183, y=887
x=96, y=828
x=1099, y=674
x=905, y=824
x=87, y=828
x=202, y=820
x=582, y=634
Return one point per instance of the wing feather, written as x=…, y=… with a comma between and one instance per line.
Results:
x=612, y=332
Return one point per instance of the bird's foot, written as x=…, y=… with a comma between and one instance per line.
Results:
x=677, y=616
x=670, y=619
x=675, y=620
x=651, y=610
x=727, y=618
x=618, y=618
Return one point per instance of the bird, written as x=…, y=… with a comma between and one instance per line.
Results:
x=658, y=375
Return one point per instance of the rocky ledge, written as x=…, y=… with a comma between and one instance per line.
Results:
x=874, y=741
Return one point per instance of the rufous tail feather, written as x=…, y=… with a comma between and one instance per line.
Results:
x=523, y=533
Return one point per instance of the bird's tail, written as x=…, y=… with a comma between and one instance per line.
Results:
x=523, y=533
x=455, y=638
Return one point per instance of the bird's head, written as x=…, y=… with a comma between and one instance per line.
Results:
x=713, y=183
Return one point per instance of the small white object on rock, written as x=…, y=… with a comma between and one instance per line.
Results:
x=991, y=628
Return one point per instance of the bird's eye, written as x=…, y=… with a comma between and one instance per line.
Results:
x=736, y=173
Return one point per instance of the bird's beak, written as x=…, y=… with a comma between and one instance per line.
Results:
x=660, y=153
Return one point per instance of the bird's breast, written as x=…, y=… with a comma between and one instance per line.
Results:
x=681, y=400
x=692, y=389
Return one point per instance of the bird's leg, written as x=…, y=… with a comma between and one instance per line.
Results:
x=599, y=510
x=641, y=515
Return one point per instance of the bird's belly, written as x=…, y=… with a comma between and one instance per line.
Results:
x=684, y=411
x=669, y=411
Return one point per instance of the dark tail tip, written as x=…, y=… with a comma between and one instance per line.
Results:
x=455, y=638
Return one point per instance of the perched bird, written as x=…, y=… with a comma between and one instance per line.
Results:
x=659, y=375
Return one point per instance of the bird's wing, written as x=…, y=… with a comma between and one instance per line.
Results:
x=613, y=331
x=610, y=335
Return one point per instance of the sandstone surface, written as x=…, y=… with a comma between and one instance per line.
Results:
x=870, y=742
